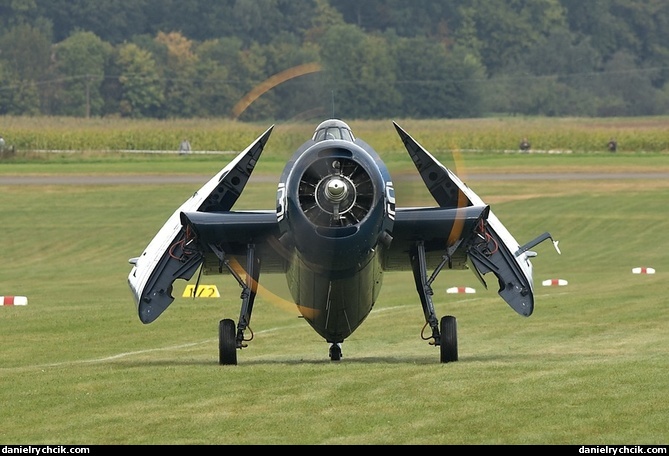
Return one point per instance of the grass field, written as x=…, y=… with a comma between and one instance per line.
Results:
x=588, y=367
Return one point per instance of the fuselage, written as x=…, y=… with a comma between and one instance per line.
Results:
x=335, y=208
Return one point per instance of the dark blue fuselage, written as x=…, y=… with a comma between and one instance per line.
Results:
x=337, y=194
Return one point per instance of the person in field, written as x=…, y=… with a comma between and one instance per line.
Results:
x=184, y=147
x=612, y=145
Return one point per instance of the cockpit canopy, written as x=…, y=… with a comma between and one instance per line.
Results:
x=333, y=129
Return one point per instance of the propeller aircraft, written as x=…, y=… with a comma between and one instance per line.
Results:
x=335, y=231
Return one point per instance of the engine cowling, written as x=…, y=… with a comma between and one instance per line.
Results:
x=332, y=205
x=335, y=191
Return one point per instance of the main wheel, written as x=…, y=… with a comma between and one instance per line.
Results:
x=449, y=339
x=227, y=342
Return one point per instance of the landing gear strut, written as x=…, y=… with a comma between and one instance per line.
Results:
x=444, y=332
x=230, y=340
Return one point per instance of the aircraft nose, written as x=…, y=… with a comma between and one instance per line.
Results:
x=336, y=190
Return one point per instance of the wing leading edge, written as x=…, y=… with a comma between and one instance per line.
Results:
x=229, y=234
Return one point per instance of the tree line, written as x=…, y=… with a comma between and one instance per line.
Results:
x=371, y=59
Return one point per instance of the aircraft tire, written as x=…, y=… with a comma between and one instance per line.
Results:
x=448, y=347
x=335, y=352
x=227, y=344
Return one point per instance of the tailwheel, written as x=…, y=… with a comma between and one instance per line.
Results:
x=448, y=346
x=335, y=352
x=227, y=342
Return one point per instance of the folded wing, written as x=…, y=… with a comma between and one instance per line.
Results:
x=473, y=233
x=169, y=256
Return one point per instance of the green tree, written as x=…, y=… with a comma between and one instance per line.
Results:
x=553, y=78
x=80, y=65
x=627, y=90
x=540, y=56
x=261, y=21
x=220, y=85
x=16, y=12
x=5, y=89
x=407, y=19
x=26, y=54
x=179, y=74
x=435, y=81
x=563, y=54
x=16, y=97
x=324, y=18
x=27, y=50
x=140, y=81
x=506, y=35
x=647, y=22
x=292, y=96
x=640, y=27
x=249, y=70
x=359, y=72
x=113, y=21
x=593, y=18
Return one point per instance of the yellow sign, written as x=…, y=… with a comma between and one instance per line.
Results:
x=203, y=291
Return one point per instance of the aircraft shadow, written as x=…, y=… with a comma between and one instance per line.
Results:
x=420, y=360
